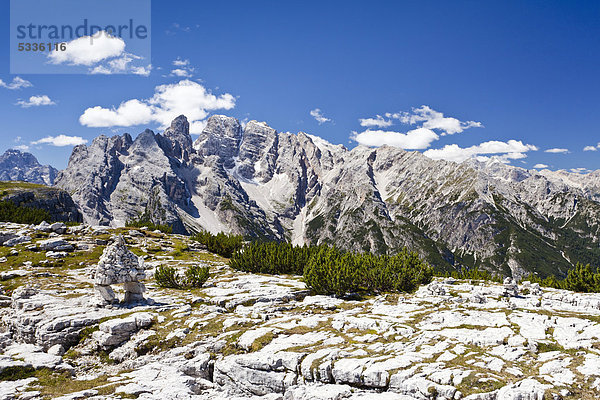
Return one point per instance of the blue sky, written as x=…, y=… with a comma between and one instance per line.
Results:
x=456, y=79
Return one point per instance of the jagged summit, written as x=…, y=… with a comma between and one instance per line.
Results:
x=16, y=165
x=253, y=180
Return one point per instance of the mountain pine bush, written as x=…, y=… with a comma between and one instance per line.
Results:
x=10, y=212
x=272, y=258
x=222, y=244
x=328, y=270
x=582, y=278
x=194, y=277
x=167, y=277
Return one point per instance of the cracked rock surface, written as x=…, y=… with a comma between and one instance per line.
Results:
x=247, y=336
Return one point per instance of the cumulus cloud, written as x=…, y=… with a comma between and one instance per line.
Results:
x=378, y=122
x=513, y=149
x=557, y=150
x=432, y=119
x=143, y=70
x=22, y=147
x=36, y=101
x=89, y=50
x=183, y=70
x=430, y=125
x=103, y=53
x=17, y=83
x=318, y=115
x=540, y=166
x=592, y=148
x=185, y=97
x=61, y=141
x=416, y=139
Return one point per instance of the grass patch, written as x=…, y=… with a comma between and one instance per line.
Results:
x=16, y=373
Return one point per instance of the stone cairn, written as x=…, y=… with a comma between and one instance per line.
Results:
x=119, y=265
x=510, y=288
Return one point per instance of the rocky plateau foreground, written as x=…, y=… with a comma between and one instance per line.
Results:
x=255, y=336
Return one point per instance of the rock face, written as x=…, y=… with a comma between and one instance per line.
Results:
x=119, y=265
x=19, y=166
x=57, y=202
x=256, y=181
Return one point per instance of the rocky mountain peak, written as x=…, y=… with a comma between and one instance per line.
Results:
x=16, y=158
x=179, y=141
x=16, y=165
x=179, y=125
x=220, y=137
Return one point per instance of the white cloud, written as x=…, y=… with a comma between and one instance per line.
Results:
x=143, y=71
x=22, y=147
x=17, y=83
x=61, y=141
x=103, y=53
x=35, y=101
x=581, y=170
x=556, y=150
x=181, y=72
x=420, y=138
x=540, y=166
x=129, y=113
x=122, y=65
x=185, y=97
x=318, y=115
x=590, y=148
x=513, y=149
x=431, y=125
x=378, y=122
x=432, y=119
x=89, y=50
x=426, y=117
x=181, y=63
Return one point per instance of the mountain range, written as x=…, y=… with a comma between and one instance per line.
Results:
x=252, y=180
x=16, y=165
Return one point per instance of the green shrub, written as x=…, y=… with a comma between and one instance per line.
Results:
x=222, y=244
x=327, y=270
x=272, y=258
x=10, y=212
x=333, y=272
x=167, y=277
x=330, y=271
x=196, y=276
x=582, y=278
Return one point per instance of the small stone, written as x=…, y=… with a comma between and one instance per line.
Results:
x=105, y=292
x=56, y=350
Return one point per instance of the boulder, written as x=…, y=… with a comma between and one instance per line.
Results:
x=17, y=240
x=56, y=244
x=58, y=227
